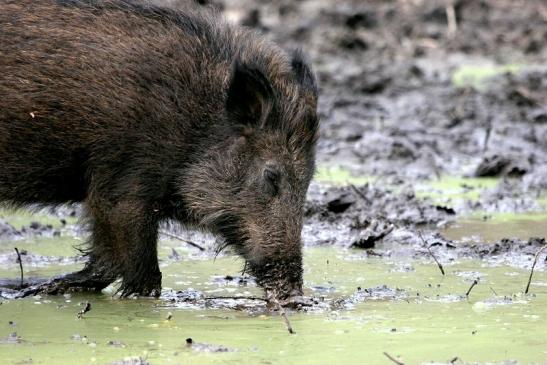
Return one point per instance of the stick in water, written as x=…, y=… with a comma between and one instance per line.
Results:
x=286, y=320
x=475, y=282
x=283, y=314
x=20, y=265
x=431, y=253
x=393, y=359
x=86, y=309
x=531, y=270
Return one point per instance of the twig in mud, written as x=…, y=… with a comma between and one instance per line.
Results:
x=20, y=265
x=431, y=253
x=436, y=169
x=286, y=320
x=493, y=291
x=475, y=282
x=393, y=359
x=434, y=258
x=488, y=132
x=287, y=323
x=532, y=269
x=359, y=193
x=451, y=20
x=193, y=244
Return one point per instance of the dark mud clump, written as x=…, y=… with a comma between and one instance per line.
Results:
x=506, y=246
x=319, y=302
x=361, y=216
x=7, y=231
x=191, y=298
x=508, y=196
x=508, y=251
x=377, y=293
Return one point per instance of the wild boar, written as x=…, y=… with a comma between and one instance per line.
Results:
x=146, y=114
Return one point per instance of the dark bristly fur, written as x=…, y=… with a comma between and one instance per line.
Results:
x=146, y=114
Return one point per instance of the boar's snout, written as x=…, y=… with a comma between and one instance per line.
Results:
x=292, y=296
x=280, y=277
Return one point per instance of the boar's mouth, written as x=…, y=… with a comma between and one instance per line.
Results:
x=280, y=278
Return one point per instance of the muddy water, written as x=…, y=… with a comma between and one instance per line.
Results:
x=419, y=315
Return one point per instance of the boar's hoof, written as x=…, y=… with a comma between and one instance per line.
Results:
x=149, y=287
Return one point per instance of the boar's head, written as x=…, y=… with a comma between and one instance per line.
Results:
x=250, y=185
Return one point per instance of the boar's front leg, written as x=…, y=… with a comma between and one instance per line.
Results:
x=124, y=244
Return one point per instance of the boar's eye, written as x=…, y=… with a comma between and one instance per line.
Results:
x=272, y=177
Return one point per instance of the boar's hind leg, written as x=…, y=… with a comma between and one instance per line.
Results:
x=124, y=240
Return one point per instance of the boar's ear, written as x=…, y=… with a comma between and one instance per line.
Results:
x=303, y=72
x=250, y=95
